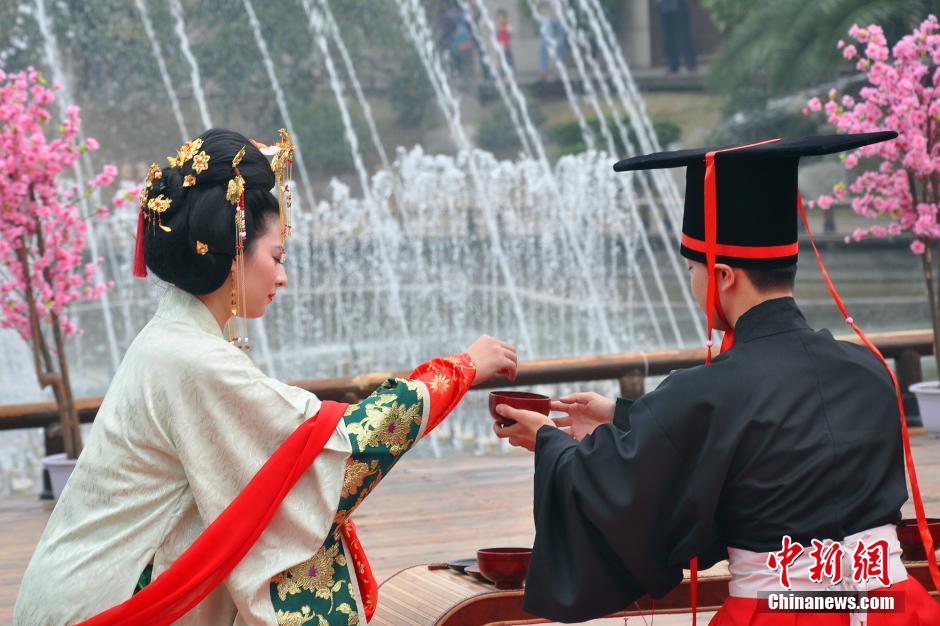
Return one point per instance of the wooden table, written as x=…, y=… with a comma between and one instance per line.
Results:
x=419, y=596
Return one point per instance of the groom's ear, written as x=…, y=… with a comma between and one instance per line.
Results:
x=726, y=276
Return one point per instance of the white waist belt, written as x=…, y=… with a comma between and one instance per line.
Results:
x=752, y=578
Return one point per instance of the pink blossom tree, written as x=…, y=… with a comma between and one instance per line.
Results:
x=899, y=185
x=42, y=233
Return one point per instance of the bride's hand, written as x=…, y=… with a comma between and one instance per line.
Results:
x=492, y=356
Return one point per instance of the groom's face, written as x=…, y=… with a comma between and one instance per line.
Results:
x=698, y=279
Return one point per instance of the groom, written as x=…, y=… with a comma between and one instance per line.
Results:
x=787, y=433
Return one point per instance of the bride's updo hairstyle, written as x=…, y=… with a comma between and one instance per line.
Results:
x=196, y=254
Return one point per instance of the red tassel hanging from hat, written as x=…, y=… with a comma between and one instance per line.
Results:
x=712, y=303
x=140, y=263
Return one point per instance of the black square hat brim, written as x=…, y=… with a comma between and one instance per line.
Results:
x=755, y=191
x=816, y=145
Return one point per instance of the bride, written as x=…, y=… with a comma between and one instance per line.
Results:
x=208, y=492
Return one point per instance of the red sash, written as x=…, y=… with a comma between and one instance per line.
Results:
x=217, y=551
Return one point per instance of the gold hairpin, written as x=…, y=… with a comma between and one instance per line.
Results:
x=235, y=193
x=154, y=173
x=200, y=162
x=201, y=248
x=238, y=157
x=236, y=188
x=282, y=160
x=185, y=153
x=158, y=206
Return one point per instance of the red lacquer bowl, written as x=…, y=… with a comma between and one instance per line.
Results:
x=519, y=400
x=912, y=548
x=506, y=567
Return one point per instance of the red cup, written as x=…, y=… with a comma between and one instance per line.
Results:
x=518, y=400
x=506, y=567
x=912, y=548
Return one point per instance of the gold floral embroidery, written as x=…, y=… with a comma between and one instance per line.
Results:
x=440, y=383
x=362, y=495
x=352, y=617
x=315, y=574
x=410, y=385
x=338, y=520
x=386, y=423
x=356, y=473
x=295, y=618
x=462, y=361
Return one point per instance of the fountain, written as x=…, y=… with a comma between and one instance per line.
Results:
x=431, y=249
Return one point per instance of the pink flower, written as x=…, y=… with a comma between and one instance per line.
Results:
x=850, y=52
x=917, y=246
x=825, y=202
x=36, y=166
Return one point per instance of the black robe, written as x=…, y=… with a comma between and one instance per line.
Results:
x=788, y=433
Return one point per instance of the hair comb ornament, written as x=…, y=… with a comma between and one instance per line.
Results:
x=237, y=329
x=282, y=164
x=153, y=209
x=200, y=162
x=186, y=152
x=158, y=206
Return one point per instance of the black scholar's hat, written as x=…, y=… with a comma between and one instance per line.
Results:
x=752, y=192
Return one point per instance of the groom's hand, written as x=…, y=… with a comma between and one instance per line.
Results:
x=522, y=433
x=584, y=411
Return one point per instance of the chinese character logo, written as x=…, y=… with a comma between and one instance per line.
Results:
x=784, y=558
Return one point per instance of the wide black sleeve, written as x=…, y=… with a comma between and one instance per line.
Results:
x=619, y=515
x=622, y=413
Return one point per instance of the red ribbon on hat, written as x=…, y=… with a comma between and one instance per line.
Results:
x=743, y=252
x=712, y=301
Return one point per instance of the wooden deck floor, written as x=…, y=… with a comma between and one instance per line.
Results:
x=425, y=511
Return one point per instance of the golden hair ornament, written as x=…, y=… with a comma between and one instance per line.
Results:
x=158, y=206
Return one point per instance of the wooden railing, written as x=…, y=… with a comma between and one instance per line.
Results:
x=630, y=369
